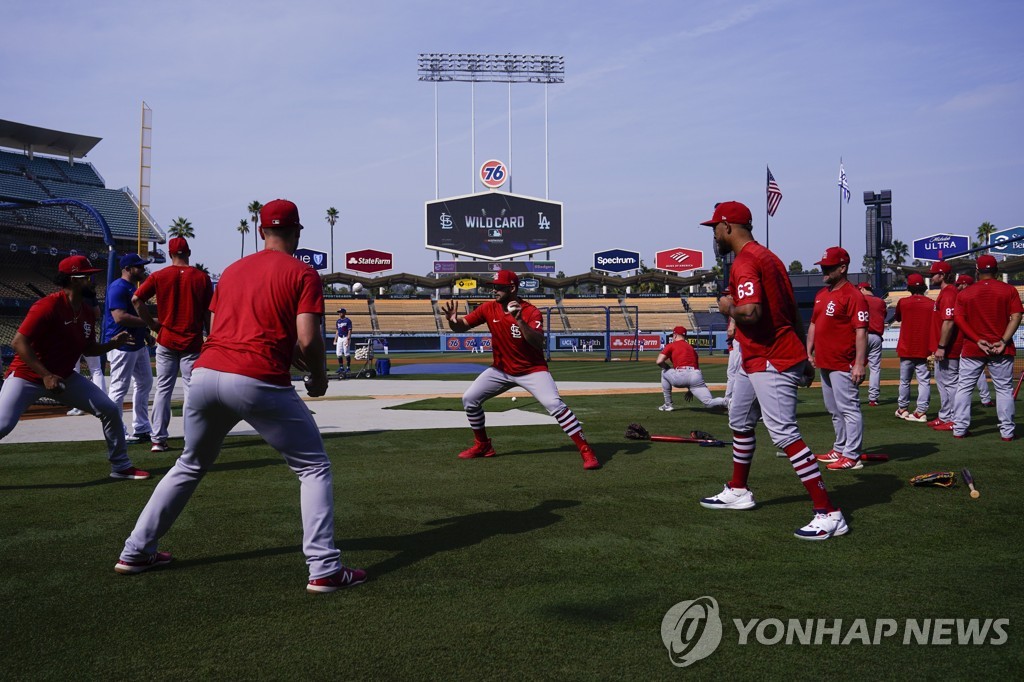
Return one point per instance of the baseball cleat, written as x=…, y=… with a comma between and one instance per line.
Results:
x=132, y=567
x=830, y=456
x=902, y=412
x=919, y=417
x=988, y=404
x=159, y=446
x=730, y=498
x=823, y=526
x=873, y=403
x=935, y=422
x=589, y=458
x=479, y=449
x=666, y=408
x=346, y=577
x=75, y=412
x=943, y=426
x=131, y=473
x=137, y=438
x=965, y=434
x=1009, y=439
x=845, y=462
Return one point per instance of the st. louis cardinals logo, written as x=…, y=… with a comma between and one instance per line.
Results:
x=830, y=309
x=516, y=332
x=88, y=330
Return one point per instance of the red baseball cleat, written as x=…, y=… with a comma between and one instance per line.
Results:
x=988, y=404
x=479, y=449
x=828, y=457
x=966, y=434
x=132, y=567
x=935, y=422
x=131, y=473
x=845, y=462
x=346, y=577
x=589, y=458
x=943, y=426
x=1008, y=440
x=873, y=403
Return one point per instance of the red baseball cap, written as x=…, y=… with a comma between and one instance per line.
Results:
x=77, y=265
x=178, y=245
x=940, y=267
x=834, y=255
x=865, y=285
x=505, y=278
x=679, y=330
x=730, y=212
x=987, y=263
x=915, y=279
x=280, y=213
x=964, y=279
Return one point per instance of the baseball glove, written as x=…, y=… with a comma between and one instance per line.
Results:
x=637, y=432
x=702, y=435
x=930, y=362
x=688, y=396
x=941, y=479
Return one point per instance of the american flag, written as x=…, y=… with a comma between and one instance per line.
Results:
x=774, y=193
x=844, y=188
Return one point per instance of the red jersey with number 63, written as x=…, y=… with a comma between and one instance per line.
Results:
x=513, y=354
x=837, y=316
x=758, y=276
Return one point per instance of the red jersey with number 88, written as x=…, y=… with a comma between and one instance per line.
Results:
x=838, y=314
x=513, y=354
x=758, y=276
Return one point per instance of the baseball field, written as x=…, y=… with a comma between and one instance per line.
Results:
x=524, y=566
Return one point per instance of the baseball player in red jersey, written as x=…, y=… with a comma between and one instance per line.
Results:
x=914, y=314
x=989, y=314
x=962, y=282
x=837, y=345
x=876, y=327
x=681, y=368
x=57, y=331
x=770, y=332
x=517, y=342
x=946, y=343
x=183, y=295
x=267, y=312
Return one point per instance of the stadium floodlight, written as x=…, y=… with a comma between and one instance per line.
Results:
x=441, y=67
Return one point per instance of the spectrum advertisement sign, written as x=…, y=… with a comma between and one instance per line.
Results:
x=616, y=260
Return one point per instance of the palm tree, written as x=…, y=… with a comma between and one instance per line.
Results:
x=254, y=213
x=181, y=227
x=332, y=218
x=898, y=252
x=984, y=231
x=202, y=268
x=243, y=229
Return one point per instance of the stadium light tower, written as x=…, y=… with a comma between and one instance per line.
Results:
x=436, y=67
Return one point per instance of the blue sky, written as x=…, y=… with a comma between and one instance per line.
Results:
x=667, y=108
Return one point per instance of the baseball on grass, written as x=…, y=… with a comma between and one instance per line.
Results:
x=513, y=307
x=514, y=398
x=356, y=288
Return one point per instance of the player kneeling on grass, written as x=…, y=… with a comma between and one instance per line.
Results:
x=57, y=331
x=517, y=342
x=775, y=363
x=681, y=369
x=837, y=342
x=267, y=311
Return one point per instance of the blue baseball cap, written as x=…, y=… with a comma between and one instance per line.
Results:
x=130, y=260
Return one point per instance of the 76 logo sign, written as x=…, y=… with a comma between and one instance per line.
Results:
x=493, y=174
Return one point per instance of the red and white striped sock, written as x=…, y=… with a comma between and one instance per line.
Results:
x=806, y=467
x=743, y=444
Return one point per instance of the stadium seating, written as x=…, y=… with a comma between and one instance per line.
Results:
x=405, y=316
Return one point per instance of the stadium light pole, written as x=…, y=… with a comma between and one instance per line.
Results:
x=444, y=67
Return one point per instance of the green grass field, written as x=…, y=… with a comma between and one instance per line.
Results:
x=523, y=566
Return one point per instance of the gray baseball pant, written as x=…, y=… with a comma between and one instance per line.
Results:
x=947, y=375
x=875, y=366
x=732, y=369
x=692, y=378
x=771, y=396
x=218, y=401
x=17, y=394
x=492, y=382
x=842, y=399
x=908, y=368
x=168, y=363
x=1001, y=369
x=983, y=391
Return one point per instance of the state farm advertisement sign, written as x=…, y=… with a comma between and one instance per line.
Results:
x=647, y=342
x=679, y=259
x=369, y=260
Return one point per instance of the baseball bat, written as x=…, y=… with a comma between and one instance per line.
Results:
x=969, y=480
x=681, y=439
x=874, y=458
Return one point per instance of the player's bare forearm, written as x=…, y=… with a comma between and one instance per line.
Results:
x=117, y=341
x=861, y=347
x=746, y=314
x=810, y=342
x=143, y=309
x=123, y=318
x=1011, y=327
x=945, y=332
x=533, y=337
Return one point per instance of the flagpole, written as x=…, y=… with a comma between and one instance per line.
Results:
x=840, y=206
x=767, y=241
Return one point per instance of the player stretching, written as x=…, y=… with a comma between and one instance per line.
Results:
x=57, y=331
x=183, y=296
x=989, y=314
x=517, y=342
x=267, y=311
x=770, y=333
x=837, y=344
x=681, y=369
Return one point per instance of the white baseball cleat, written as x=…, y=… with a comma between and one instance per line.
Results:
x=730, y=498
x=75, y=412
x=666, y=408
x=823, y=526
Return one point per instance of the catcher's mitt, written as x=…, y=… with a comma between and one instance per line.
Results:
x=941, y=479
x=637, y=432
